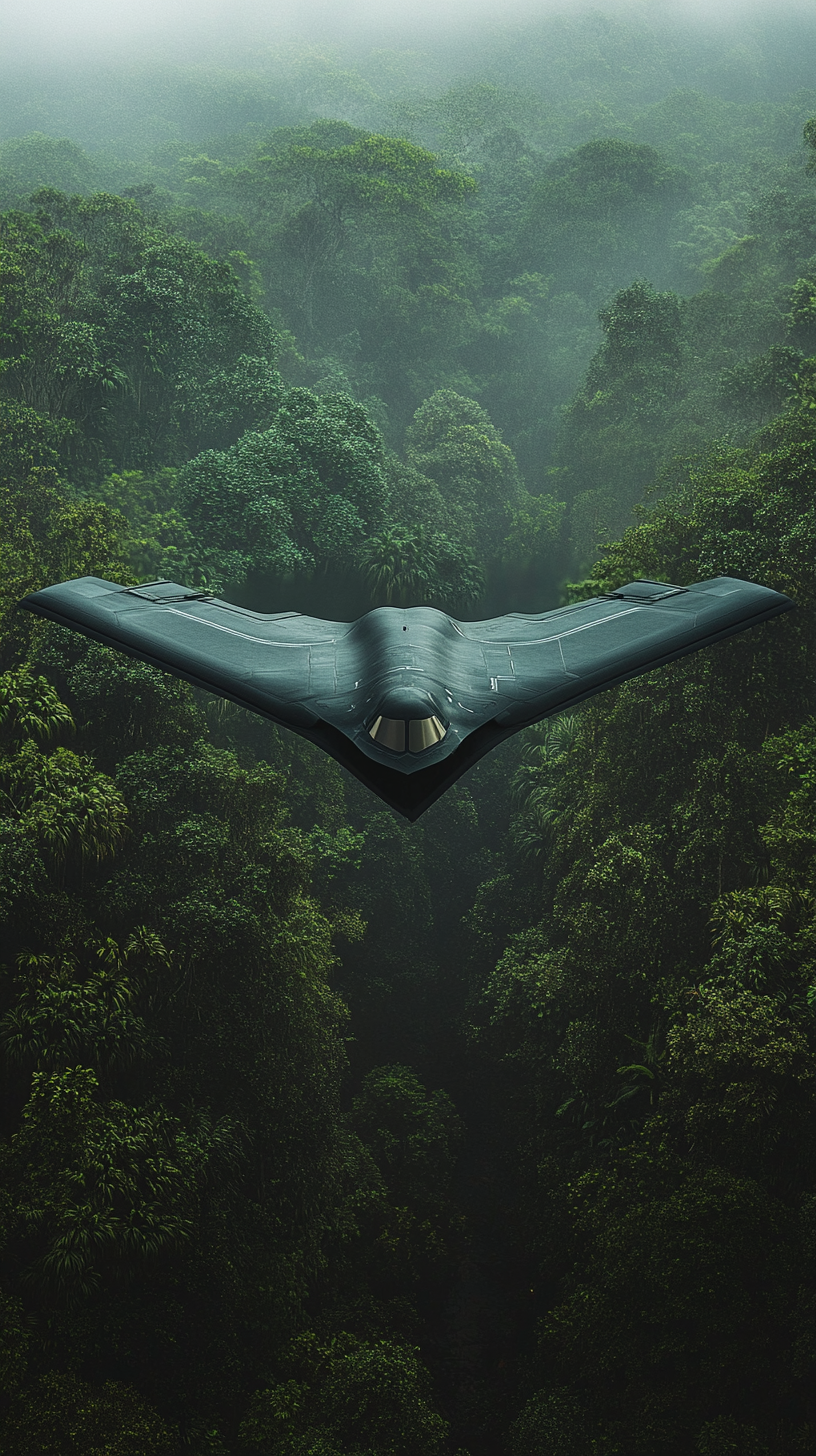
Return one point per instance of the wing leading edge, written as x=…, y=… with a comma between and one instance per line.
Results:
x=367, y=691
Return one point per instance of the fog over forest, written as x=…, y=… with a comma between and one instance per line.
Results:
x=324, y=1133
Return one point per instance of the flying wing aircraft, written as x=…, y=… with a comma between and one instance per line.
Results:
x=408, y=699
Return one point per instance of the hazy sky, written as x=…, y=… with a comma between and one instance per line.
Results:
x=52, y=29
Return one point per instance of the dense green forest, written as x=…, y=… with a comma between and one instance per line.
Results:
x=495, y=1135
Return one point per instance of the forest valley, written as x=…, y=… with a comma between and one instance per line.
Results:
x=323, y=1135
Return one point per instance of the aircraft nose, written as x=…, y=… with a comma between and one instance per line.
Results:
x=407, y=719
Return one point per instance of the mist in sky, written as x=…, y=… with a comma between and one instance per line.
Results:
x=54, y=30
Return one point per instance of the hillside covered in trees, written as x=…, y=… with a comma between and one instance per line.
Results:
x=495, y=1135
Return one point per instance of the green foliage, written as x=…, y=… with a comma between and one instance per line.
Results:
x=30, y=162
x=760, y=388
x=671, y=831
x=46, y=536
x=412, y=1136
x=673, y=1266
x=553, y=1421
x=810, y=139
x=628, y=386
x=332, y=175
x=299, y=495
x=737, y=1057
x=377, y=173
x=584, y=212
x=349, y=1397
x=30, y=708
x=414, y=568
x=293, y=1091
x=83, y=1007
x=147, y=346
x=452, y=441
x=66, y=807
x=62, y=1415
x=99, y=1188
x=29, y=443
x=119, y=701
x=14, y=1339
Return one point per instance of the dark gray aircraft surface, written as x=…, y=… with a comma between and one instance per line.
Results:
x=408, y=699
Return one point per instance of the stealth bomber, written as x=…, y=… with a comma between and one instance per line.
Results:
x=409, y=698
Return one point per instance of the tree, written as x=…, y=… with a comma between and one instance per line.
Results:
x=604, y=200
x=62, y=1415
x=613, y=434
x=299, y=495
x=333, y=176
x=453, y=442
x=651, y=1019
x=142, y=342
x=98, y=1188
x=810, y=140
x=347, y=1396
x=410, y=568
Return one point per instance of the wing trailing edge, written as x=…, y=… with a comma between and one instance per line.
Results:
x=408, y=699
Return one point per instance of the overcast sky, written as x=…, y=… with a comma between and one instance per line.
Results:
x=31, y=29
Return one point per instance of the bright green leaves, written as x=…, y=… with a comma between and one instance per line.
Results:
x=85, y=1006
x=68, y=809
x=29, y=443
x=30, y=707
x=384, y=174
x=146, y=345
x=232, y=398
x=418, y=567
x=641, y=329
x=755, y=932
x=302, y=494
x=99, y=1188
x=396, y=567
x=452, y=441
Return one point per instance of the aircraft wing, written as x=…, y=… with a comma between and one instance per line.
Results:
x=408, y=699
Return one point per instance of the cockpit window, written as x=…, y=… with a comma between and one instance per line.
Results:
x=421, y=733
x=389, y=733
x=424, y=733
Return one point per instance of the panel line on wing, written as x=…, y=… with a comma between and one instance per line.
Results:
x=217, y=627
x=599, y=621
x=563, y=662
